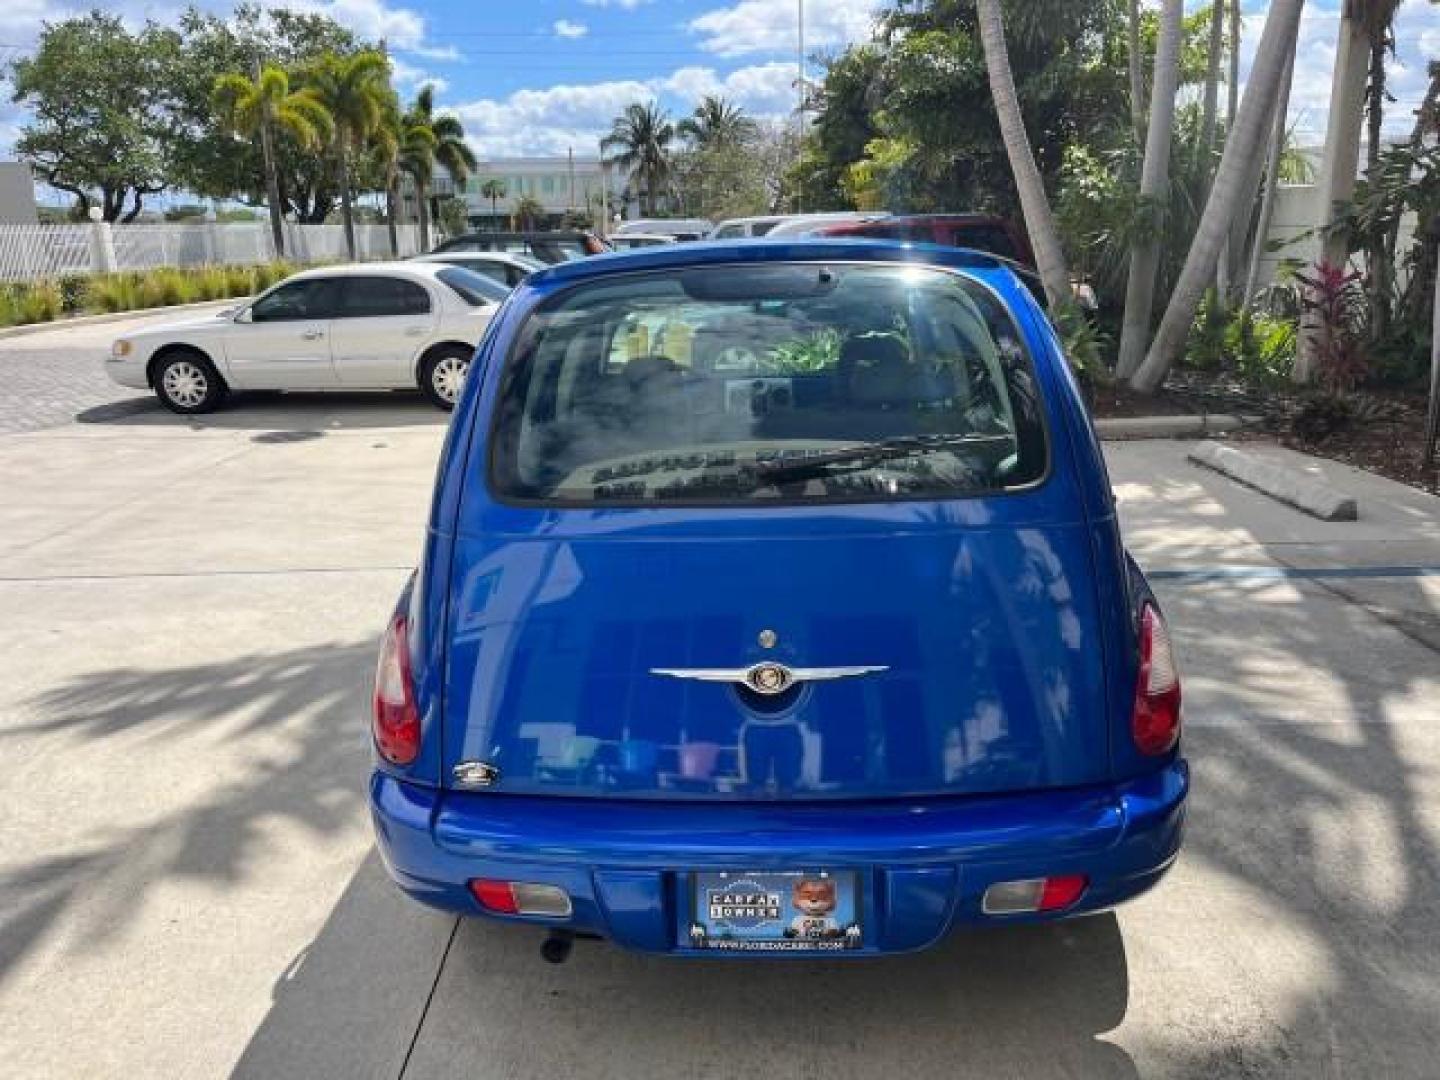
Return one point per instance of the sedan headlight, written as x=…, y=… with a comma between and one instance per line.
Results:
x=121, y=348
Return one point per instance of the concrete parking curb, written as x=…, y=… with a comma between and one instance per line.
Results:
x=1170, y=427
x=1314, y=497
x=115, y=316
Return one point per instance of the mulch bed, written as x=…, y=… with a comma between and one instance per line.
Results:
x=1384, y=437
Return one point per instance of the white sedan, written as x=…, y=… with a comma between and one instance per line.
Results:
x=372, y=326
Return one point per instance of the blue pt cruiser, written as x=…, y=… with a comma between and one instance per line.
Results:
x=773, y=601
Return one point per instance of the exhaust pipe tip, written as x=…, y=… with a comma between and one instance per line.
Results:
x=555, y=949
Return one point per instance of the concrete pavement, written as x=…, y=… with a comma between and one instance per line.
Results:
x=188, y=887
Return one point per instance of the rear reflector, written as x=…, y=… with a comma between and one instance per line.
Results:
x=1155, y=721
x=521, y=898
x=1034, y=894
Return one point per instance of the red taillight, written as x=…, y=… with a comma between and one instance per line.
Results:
x=1033, y=894
x=1061, y=892
x=521, y=898
x=397, y=721
x=1155, y=723
x=495, y=896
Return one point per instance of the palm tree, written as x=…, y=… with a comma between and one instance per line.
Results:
x=1211, y=104
x=494, y=190
x=355, y=90
x=397, y=141
x=1154, y=181
x=1137, y=74
x=639, y=143
x=528, y=212
x=1275, y=167
x=261, y=106
x=716, y=122
x=1243, y=145
x=1039, y=221
x=1361, y=22
x=450, y=150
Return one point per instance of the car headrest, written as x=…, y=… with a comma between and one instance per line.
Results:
x=874, y=369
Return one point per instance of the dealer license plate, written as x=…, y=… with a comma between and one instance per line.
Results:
x=776, y=911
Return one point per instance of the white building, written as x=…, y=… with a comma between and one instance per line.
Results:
x=578, y=185
x=17, y=194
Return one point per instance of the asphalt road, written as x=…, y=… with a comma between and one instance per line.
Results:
x=187, y=882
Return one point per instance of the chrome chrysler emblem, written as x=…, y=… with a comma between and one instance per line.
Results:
x=769, y=678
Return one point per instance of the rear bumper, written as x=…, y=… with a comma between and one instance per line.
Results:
x=926, y=864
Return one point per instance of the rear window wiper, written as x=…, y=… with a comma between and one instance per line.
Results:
x=863, y=454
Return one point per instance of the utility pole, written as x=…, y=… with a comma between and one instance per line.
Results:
x=570, y=151
x=800, y=87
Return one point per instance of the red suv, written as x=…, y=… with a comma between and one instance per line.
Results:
x=982, y=232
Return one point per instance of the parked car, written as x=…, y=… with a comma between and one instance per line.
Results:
x=676, y=228
x=548, y=247
x=810, y=224
x=773, y=600
x=371, y=326
x=980, y=232
x=745, y=228
x=504, y=267
x=633, y=240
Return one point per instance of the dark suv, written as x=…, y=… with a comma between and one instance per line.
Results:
x=980, y=232
x=548, y=247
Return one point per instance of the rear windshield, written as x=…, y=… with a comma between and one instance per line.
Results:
x=475, y=289
x=792, y=383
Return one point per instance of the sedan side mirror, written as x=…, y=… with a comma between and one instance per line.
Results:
x=242, y=316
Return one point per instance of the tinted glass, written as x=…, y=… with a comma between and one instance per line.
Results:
x=312, y=298
x=760, y=228
x=475, y=289
x=371, y=297
x=725, y=232
x=795, y=383
x=984, y=238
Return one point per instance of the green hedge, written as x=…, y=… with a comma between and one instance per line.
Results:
x=133, y=290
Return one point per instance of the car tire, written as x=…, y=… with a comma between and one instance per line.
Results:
x=442, y=375
x=186, y=382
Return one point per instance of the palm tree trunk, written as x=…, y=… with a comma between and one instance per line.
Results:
x=422, y=211
x=1154, y=182
x=1252, y=120
x=392, y=204
x=1212, y=93
x=272, y=188
x=1137, y=74
x=1377, y=259
x=1039, y=221
x=347, y=210
x=1272, y=184
x=1342, y=153
x=1232, y=85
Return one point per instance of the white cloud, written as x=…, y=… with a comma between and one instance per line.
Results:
x=1417, y=38
x=401, y=28
x=446, y=53
x=553, y=120
x=762, y=90
x=565, y=28
x=758, y=26
x=407, y=76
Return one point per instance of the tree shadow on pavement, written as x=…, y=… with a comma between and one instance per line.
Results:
x=1313, y=744
x=295, y=722
x=1015, y=1001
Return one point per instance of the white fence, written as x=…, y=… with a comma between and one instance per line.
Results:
x=28, y=252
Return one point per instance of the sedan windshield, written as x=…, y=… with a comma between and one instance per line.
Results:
x=794, y=382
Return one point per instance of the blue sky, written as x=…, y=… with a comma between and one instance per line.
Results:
x=540, y=76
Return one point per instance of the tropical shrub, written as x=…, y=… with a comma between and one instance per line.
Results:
x=1333, y=306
